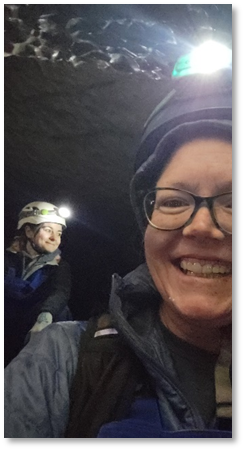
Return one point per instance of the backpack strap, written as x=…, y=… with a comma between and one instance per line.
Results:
x=105, y=381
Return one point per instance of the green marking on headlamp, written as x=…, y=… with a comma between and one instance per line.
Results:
x=183, y=67
x=44, y=212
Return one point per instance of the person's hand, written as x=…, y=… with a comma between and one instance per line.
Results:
x=43, y=320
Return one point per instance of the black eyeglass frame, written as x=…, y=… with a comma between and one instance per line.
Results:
x=199, y=203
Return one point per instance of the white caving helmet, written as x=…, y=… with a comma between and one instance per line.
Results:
x=37, y=213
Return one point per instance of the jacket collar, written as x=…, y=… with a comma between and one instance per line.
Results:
x=134, y=304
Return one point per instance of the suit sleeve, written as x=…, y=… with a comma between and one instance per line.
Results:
x=60, y=290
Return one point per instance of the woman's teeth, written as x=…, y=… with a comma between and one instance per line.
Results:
x=204, y=268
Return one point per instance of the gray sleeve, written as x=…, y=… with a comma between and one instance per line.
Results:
x=38, y=381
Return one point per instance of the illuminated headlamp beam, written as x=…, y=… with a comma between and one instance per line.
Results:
x=207, y=58
x=64, y=212
x=210, y=57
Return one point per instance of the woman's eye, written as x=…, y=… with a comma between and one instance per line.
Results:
x=48, y=230
x=172, y=203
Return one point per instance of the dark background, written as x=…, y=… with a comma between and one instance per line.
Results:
x=80, y=81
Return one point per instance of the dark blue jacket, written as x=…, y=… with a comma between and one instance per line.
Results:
x=32, y=286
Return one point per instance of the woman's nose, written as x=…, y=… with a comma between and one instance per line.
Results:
x=54, y=236
x=202, y=225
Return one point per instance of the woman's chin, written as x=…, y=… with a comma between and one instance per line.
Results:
x=201, y=307
x=198, y=298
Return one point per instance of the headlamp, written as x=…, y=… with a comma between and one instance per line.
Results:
x=64, y=212
x=205, y=59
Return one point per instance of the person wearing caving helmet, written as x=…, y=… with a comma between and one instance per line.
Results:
x=34, y=216
x=156, y=364
x=37, y=280
x=197, y=105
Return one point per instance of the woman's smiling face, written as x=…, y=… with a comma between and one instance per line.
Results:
x=47, y=239
x=177, y=259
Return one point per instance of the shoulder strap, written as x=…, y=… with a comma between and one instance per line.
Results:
x=105, y=381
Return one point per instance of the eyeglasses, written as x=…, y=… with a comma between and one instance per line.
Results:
x=171, y=209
